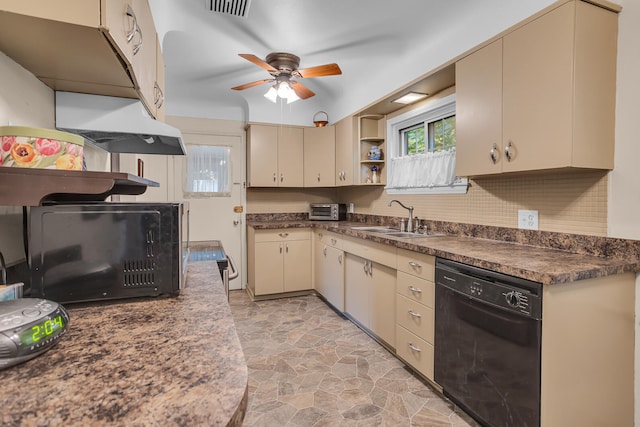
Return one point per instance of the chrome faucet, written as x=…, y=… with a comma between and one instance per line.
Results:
x=410, y=209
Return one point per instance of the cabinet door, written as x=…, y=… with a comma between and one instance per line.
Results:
x=263, y=156
x=158, y=93
x=269, y=268
x=479, y=112
x=119, y=26
x=81, y=12
x=319, y=157
x=538, y=87
x=345, y=146
x=320, y=268
x=144, y=53
x=297, y=265
x=356, y=301
x=334, y=277
x=382, y=302
x=290, y=157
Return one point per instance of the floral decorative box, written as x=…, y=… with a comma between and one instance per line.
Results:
x=40, y=148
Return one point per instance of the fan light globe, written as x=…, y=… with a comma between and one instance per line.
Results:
x=272, y=94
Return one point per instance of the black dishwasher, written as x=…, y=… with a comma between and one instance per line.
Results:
x=488, y=329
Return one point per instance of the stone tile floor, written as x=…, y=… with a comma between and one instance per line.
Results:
x=309, y=366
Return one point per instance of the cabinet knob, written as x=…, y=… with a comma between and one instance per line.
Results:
x=318, y=177
x=493, y=153
x=324, y=250
x=274, y=177
x=340, y=258
x=281, y=177
x=509, y=151
x=414, y=314
x=334, y=241
x=414, y=348
x=283, y=234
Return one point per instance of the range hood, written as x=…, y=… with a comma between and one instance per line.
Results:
x=117, y=125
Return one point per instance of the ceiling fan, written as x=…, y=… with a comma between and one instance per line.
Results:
x=283, y=68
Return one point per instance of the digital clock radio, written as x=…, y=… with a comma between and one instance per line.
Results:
x=29, y=327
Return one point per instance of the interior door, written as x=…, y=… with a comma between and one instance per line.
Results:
x=217, y=217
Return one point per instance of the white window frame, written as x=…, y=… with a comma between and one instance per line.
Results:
x=430, y=112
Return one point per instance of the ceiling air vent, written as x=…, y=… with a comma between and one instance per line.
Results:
x=229, y=7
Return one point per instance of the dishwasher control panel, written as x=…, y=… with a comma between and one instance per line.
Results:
x=509, y=293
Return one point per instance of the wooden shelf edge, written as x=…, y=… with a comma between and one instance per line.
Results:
x=32, y=187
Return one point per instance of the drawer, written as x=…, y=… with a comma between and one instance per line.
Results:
x=372, y=251
x=416, y=263
x=282, y=234
x=415, y=288
x=415, y=317
x=415, y=351
x=328, y=238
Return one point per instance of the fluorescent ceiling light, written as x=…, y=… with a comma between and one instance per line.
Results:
x=410, y=98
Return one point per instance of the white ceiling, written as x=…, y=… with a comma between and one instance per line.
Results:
x=380, y=45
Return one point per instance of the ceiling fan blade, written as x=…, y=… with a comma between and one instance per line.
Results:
x=259, y=62
x=248, y=85
x=320, y=70
x=302, y=91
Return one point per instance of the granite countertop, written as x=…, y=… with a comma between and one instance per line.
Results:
x=546, y=265
x=144, y=361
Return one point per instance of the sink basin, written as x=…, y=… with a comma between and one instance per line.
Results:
x=376, y=229
x=393, y=232
x=409, y=235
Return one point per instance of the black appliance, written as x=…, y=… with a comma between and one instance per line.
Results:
x=101, y=251
x=488, y=329
x=214, y=251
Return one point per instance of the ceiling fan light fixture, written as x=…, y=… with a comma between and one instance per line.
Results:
x=410, y=98
x=272, y=94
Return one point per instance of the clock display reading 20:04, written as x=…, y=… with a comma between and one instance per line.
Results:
x=44, y=329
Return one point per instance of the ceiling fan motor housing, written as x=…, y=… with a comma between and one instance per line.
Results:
x=282, y=61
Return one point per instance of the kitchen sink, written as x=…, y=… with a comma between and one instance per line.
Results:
x=393, y=232
x=377, y=229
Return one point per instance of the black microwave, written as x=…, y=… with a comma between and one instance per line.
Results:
x=328, y=211
x=103, y=251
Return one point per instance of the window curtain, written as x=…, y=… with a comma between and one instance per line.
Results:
x=422, y=170
x=208, y=171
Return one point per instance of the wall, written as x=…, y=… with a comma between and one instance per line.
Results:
x=624, y=197
x=24, y=101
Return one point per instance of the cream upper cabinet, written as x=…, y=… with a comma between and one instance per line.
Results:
x=275, y=156
x=479, y=112
x=346, y=136
x=556, y=105
x=319, y=156
x=84, y=46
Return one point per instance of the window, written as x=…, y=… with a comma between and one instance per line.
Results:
x=208, y=171
x=441, y=136
x=422, y=150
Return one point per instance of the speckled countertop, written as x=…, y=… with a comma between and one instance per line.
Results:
x=548, y=258
x=139, y=362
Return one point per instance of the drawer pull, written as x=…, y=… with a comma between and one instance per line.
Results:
x=334, y=241
x=414, y=314
x=415, y=290
x=415, y=265
x=283, y=234
x=414, y=348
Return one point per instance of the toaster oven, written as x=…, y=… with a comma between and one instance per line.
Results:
x=328, y=211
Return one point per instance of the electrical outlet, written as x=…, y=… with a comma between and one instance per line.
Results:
x=351, y=207
x=527, y=220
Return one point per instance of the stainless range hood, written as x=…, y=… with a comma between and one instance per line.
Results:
x=118, y=125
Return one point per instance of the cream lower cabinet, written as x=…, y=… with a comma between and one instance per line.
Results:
x=415, y=316
x=279, y=261
x=370, y=296
x=329, y=268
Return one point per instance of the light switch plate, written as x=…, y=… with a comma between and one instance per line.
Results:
x=527, y=220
